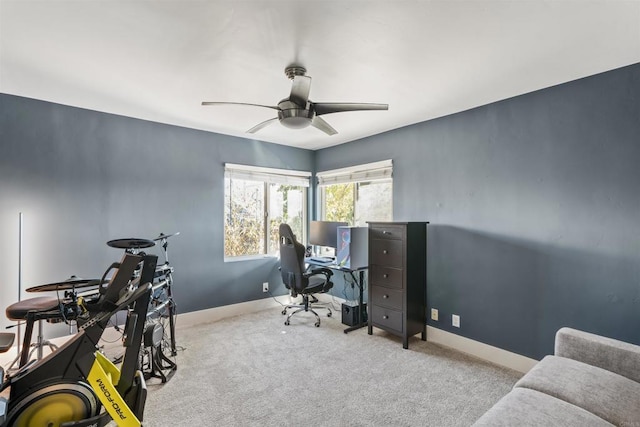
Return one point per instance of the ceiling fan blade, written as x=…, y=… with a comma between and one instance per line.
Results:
x=338, y=107
x=240, y=103
x=300, y=90
x=259, y=126
x=321, y=124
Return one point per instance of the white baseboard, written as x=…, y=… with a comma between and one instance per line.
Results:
x=480, y=350
x=217, y=313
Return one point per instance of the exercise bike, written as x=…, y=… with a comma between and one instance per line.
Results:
x=76, y=385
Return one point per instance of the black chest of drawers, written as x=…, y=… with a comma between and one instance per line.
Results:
x=398, y=278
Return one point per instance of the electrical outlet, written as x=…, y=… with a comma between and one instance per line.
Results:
x=455, y=320
x=265, y=287
x=434, y=314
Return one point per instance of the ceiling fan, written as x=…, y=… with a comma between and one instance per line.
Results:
x=297, y=111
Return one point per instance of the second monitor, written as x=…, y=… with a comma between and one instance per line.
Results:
x=325, y=233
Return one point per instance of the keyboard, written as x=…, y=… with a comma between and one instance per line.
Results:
x=321, y=259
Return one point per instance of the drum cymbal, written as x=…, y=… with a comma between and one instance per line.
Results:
x=72, y=282
x=131, y=243
x=165, y=236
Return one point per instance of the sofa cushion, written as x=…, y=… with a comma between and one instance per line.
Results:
x=525, y=407
x=616, y=356
x=610, y=396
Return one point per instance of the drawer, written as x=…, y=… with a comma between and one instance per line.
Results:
x=386, y=297
x=386, y=252
x=387, y=318
x=395, y=232
x=386, y=276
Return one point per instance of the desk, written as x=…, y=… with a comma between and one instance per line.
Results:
x=359, y=281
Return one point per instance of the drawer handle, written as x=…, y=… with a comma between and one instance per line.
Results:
x=385, y=275
x=385, y=251
x=385, y=296
x=385, y=317
x=385, y=232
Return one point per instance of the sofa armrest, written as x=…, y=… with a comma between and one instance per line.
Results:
x=613, y=355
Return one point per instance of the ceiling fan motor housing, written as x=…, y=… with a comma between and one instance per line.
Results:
x=293, y=116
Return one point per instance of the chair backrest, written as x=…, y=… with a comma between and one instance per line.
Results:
x=291, y=260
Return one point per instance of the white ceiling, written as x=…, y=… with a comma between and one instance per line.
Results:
x=157, y=60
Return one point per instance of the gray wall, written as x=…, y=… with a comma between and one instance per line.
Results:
x=534, y=205
x=82, y=178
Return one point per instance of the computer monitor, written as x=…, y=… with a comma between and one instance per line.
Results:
x=325, y=233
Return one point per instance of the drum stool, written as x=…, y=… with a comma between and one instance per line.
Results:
x=30, y=310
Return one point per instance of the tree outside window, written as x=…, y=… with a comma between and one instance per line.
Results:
x=339, y=202
x=358, y=202
x=286, y=205
x=357, y=194
x=244, y=217
x=254, y=211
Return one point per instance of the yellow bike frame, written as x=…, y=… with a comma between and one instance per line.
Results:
x=103, y=378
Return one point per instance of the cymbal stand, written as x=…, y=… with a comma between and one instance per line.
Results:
x=153, y=361
x=72, y=310
x=172, y=306
x=169, y=277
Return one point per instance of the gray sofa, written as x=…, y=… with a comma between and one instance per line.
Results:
x=589, y=381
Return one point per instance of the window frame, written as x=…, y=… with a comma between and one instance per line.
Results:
x=369, y=172
x=267, y=176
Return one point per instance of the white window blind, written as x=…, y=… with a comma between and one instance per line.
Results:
x=269, y=175
x=367, y=172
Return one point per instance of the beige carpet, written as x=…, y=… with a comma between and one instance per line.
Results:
x=252, y=370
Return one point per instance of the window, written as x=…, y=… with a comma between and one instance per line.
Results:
x=256, y=201
x=357, y=194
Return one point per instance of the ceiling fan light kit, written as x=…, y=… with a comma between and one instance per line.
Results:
x=298, y=112
x=295, y=118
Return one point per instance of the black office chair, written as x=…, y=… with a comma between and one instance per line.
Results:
x=297, y=279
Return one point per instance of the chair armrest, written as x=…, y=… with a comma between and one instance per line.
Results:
x=613, y=355
x=321, y=270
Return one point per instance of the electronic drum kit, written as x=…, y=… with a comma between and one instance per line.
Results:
x=154, y=362
x=78, y=291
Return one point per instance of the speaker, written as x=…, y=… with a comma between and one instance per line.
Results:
x=353, y=247
x=351, y=311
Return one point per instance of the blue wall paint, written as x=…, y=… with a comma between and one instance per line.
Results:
x=533, y=204
x=82, y=178
x=534, y=210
